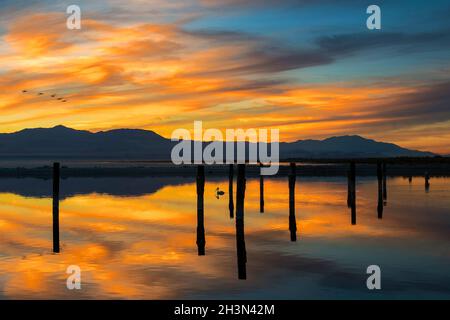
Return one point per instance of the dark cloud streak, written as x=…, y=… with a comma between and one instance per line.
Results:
x=348, y=44
x=267, y=55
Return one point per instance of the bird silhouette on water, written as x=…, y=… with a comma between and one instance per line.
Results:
x=219, y=193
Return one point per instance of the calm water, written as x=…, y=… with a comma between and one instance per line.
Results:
x=136, y=238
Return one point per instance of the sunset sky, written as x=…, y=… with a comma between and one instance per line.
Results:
x=309, y=68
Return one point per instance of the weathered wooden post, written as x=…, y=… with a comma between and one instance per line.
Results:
x=201, y=242
x=380, y=190
x=353, y=191
x=230, y=190
x=349, y=190
x=384, y=184
x=292, y=219
x=56, y=178
x=240, y=235
x=410, y=179
x=427, y=181
x=240, y=191
x=261, y=190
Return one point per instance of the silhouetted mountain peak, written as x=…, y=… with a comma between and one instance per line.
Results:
x=348, y=146
x=133, y=134
x=348, y=138
x=344, y=138
x=61, y=127
x=54, y=130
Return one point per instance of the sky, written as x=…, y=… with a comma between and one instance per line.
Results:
x=311, y=69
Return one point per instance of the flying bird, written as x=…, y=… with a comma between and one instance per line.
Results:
x=53, y=95
x=59, y=98
x=40, y=93
x=24, y=91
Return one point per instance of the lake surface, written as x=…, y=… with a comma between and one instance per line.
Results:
x=135, y=238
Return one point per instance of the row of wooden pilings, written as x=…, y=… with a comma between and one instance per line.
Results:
x=240, y=196
x=239, y=219
x=201, y=242
x=382, y=190
x=56, y=179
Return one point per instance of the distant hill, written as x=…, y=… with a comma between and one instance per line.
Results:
x=63, y=142
x=346, y=147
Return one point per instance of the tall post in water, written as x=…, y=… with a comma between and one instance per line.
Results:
x=349, y=190
x=56, y=177
x=201, y=242
x=230, y=190
x=261, y=190
x=353, y=191
x=384, y=184
x=380, y=190
x=427, y=181
x=292, y=219
x=240, y=236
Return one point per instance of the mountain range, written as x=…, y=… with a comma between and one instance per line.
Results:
x=130, y=144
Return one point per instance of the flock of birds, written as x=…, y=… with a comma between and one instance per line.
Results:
x=54, y=95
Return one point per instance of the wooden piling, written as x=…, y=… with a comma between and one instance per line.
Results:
x=240, y=235
x=353, y=191
x=241, y=251
x=201, y=242
x=427, y=181
x=349, y=190
x=230, y=190
x=293, y=167
x=240, y=191
x=56, y=179
x=384, y=184
x=380, y=190
x=261, y=190
x=292, y=219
